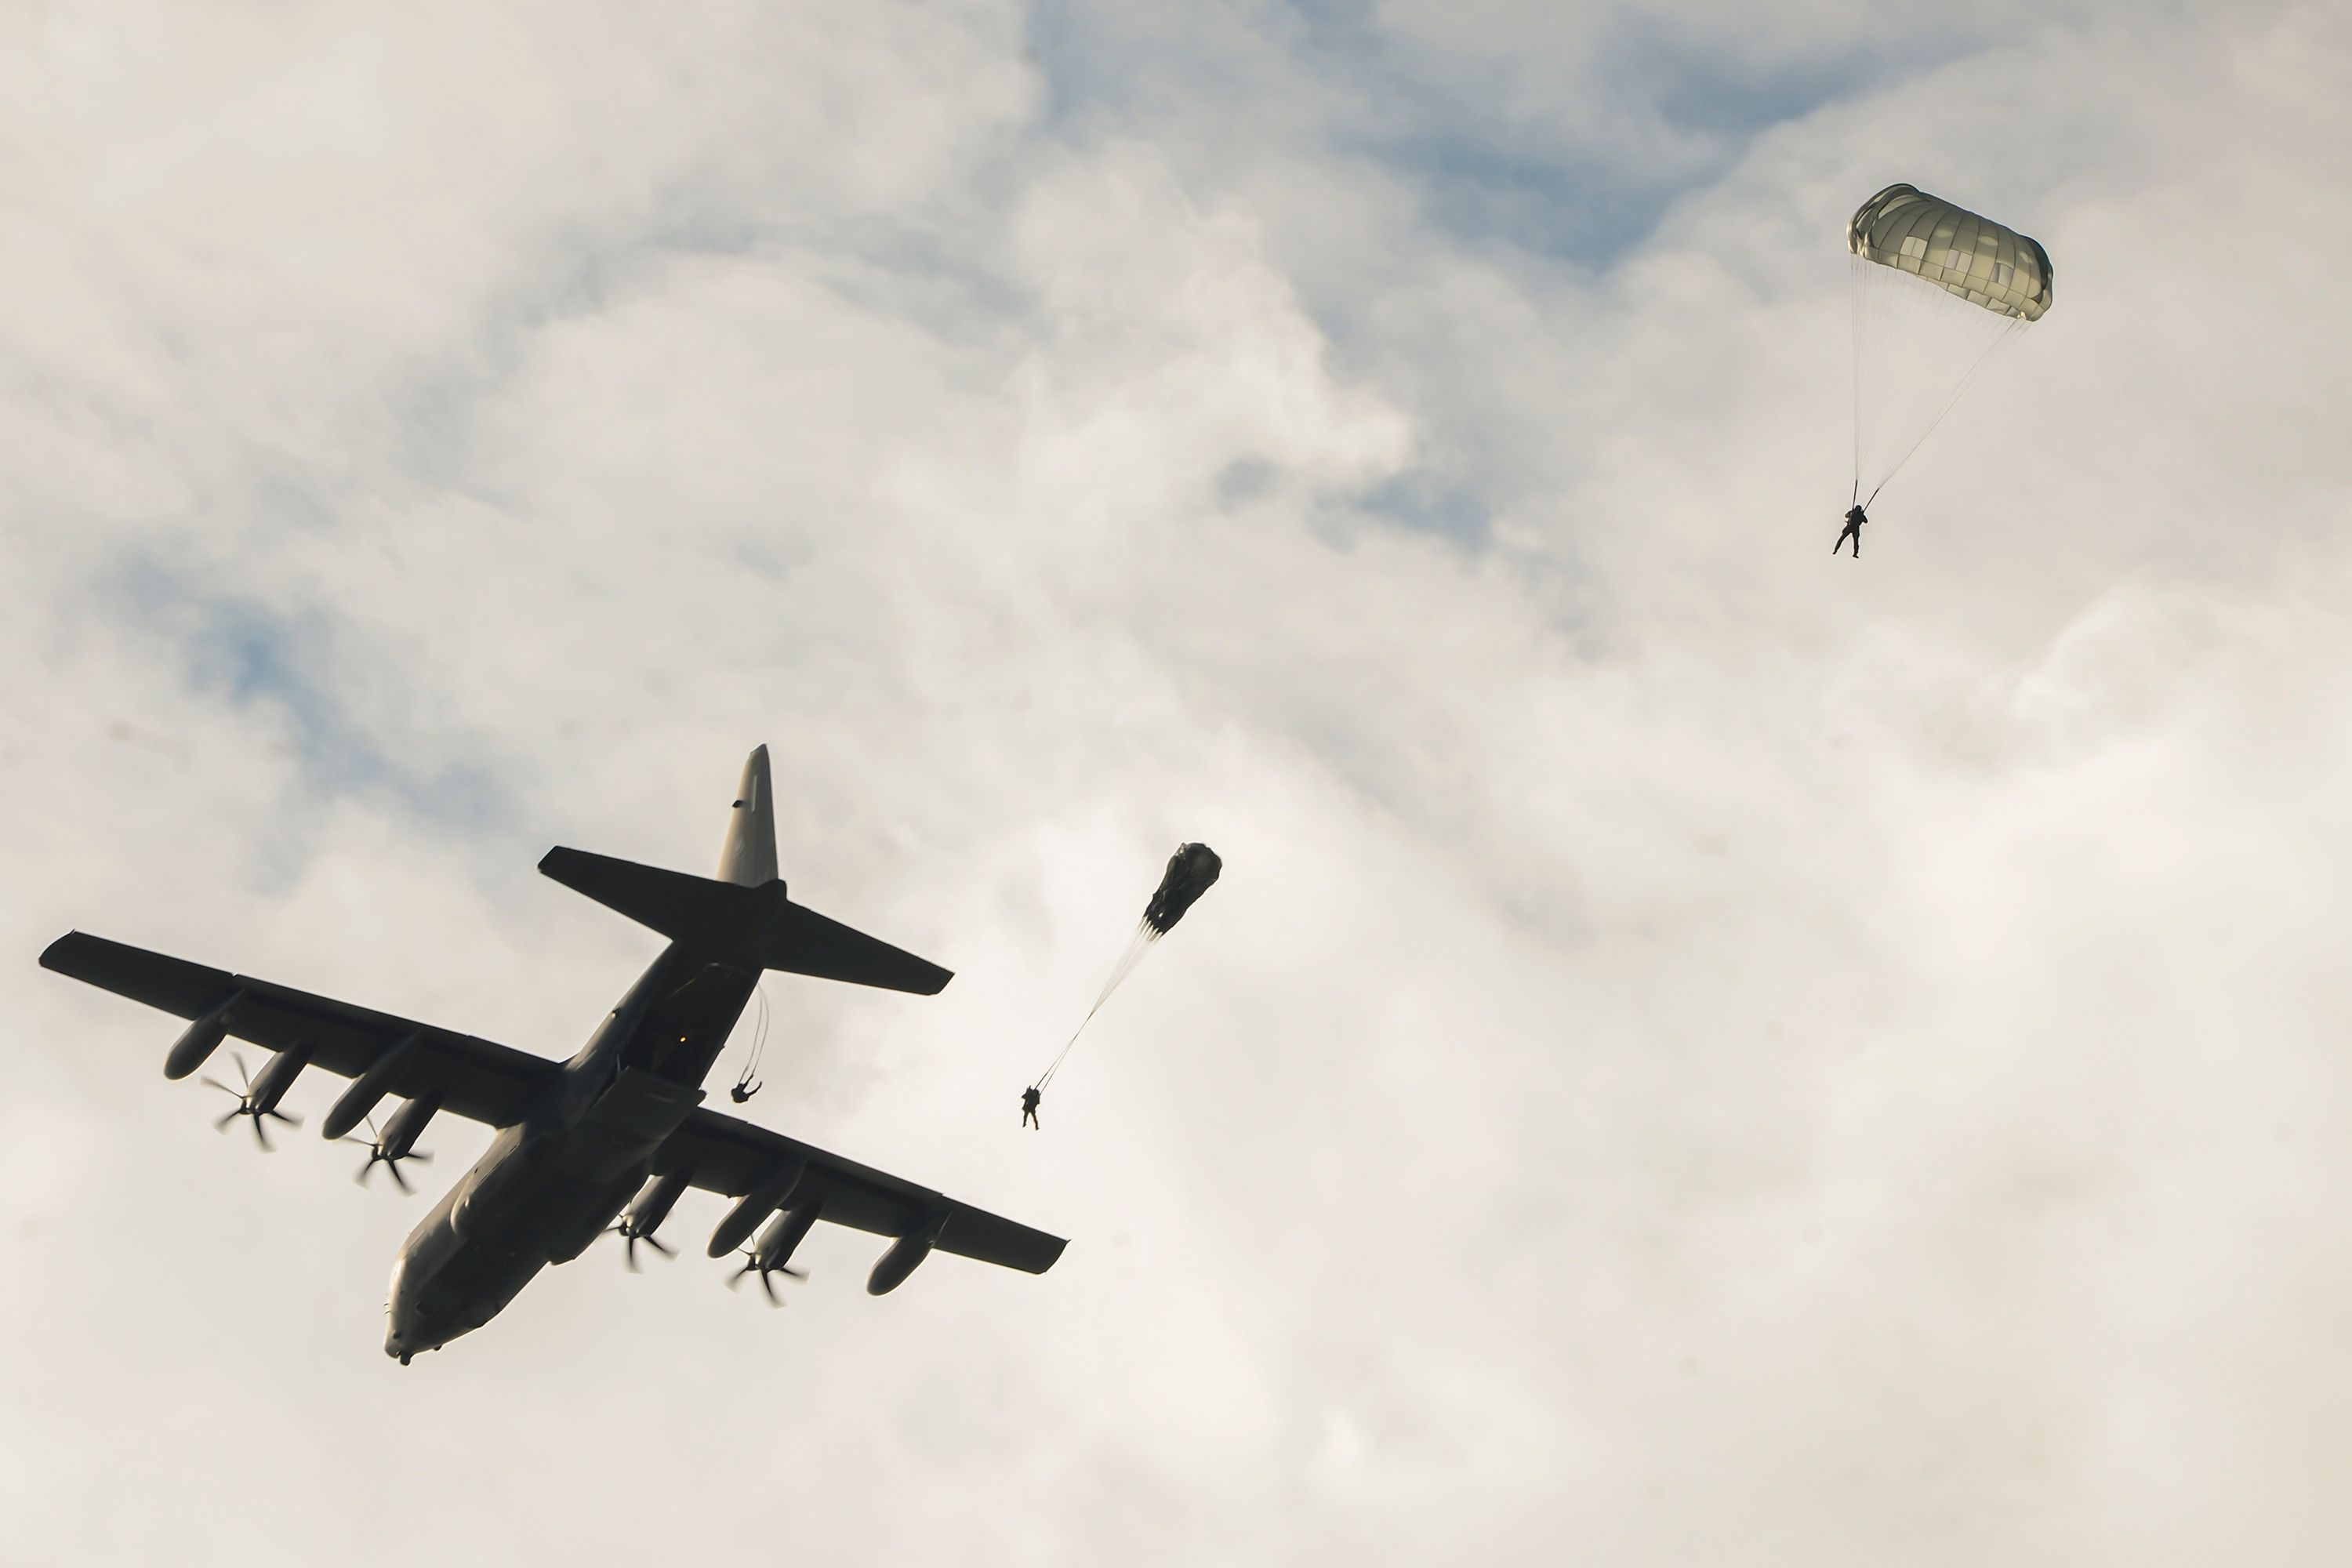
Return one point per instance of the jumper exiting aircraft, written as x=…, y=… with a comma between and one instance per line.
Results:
x=624, y=1115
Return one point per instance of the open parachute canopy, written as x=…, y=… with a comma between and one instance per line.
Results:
x=1989, y=265
x=1938, y=290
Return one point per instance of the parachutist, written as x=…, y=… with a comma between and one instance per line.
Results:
x=744, y=1090
x=1854, y=518
x=1029, y=1099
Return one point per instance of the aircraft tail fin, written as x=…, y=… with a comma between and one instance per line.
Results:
x=752, y=927
x=748, y=856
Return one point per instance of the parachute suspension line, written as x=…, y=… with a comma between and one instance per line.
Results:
x=1136, y=948
x=1857, y=295
x=1984, y=358
x=1916, y=350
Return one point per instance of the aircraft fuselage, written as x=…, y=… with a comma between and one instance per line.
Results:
x=553, y=1182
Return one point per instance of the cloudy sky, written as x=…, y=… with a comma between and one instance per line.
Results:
x=1701, y=1055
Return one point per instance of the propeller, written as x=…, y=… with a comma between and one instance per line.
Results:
x=377, y=1155
x=246, y=1105
x=753, y=1265
x=630, y=1235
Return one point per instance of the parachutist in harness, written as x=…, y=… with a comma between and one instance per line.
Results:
x=746, y=1084
x=1854, y=518
x=1029, y=1099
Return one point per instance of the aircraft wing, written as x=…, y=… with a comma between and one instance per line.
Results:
x=731, y=1157
x=477, y=1078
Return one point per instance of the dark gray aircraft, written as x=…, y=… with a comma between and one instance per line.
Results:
x=576, y=1138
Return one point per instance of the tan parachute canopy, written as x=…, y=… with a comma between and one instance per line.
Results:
x=1964, y=253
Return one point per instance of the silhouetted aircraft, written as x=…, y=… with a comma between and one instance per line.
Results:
x=576, y=1138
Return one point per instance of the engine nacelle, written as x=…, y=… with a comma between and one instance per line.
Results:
x=658, y=1196
x=270, y=1084
x=400, y=1134
x=354, y=1103
x=900, y=1261
x=756, y=1205
x=784, y=1234
x=200, y=1040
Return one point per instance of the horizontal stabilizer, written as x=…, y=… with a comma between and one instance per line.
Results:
x=752, y=927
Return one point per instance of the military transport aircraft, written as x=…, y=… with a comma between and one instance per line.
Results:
x=576, y=1138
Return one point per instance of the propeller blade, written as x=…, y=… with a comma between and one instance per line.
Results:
x=260, y=1137
x=658, y=1245
x=768, y=1285
x=221, y=1125
x=211, y=1082
x=397, y=1179
x=243, y=1077
x=361, y=1175
x=293, y=1122
x=419, y=1156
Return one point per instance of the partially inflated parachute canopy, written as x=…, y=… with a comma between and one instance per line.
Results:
x=1190, y=871
x=1984, y=262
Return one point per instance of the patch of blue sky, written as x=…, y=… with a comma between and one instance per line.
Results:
x=1653, y=110
x=1425, y=502
x=254, y=656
